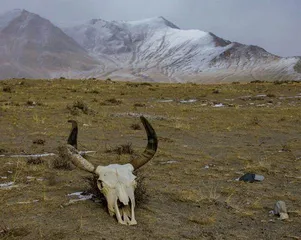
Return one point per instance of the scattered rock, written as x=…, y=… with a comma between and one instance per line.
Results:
x=188, y=101
x=280, y=210
x=7, y=185
x=218, y=105
x=251, y=177
x=170, y=162
x=165, y=100
x=76, y=197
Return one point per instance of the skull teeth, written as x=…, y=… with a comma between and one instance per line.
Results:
x=125, y=213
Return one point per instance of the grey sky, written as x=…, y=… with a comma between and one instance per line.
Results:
x=272, y=24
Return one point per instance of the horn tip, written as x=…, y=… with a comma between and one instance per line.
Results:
x=143, y=119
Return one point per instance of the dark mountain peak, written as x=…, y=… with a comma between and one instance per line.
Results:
x=168, y=23
x=219, y=42
x=95, y=21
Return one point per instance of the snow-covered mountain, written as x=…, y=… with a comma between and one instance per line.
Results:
x=31, y=46
x=151, y=49
x=156, y=49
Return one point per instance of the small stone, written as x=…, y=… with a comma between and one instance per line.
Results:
x=281, y=210
x=251, y=177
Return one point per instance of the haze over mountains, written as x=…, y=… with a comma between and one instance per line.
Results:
x=151, y=49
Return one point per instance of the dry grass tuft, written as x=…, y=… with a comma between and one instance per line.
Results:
x=39, y=141
x=7, y=89
x=139, y=105
x=141, y=195
x=93, y=188
x=203, y=220
x=35, y=160
x=121, y=149
x=111, y=102
x=136, y=126
x=255, y=121
x=62, y=161
x=79, y=106
x=139, y=84
x=12, y=233
x=4, y=231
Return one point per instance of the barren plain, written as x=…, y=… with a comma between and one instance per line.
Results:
x=209, y=135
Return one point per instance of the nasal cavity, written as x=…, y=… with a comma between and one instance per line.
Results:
x=122, y=195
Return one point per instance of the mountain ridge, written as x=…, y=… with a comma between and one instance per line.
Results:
x=152, y=49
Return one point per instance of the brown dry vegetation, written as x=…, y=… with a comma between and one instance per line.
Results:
x=257, y=129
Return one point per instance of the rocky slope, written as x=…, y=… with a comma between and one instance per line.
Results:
x=32, y=47
x=156, y=49
x=151, y=49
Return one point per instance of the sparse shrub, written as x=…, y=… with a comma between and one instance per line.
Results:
x=257, y=98
x=121, y=149
x=35, y=161
x=31, y=103
x=95, y=91
x=52, y=179
x=79, y=106
x=2, y=151
x=132, y=84
x=139, y=105
x=39, y=141
x=255, y=121
x=286, y=148
x=280, y=82
x=112, y=102
x=4, y=230
x=136, y=126
x=93, y=188
x=109, y=81
x=257, y=81
x=139, y=84
x=62, y=161
x=271, y=95
x=145, y=84
x=12, y=233
x=141, y=195
x=7, y=89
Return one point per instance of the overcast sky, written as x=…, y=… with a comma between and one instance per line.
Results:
x=272, y=24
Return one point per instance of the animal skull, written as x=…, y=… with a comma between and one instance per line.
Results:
x=116, y=182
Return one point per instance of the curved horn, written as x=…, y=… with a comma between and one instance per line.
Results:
x=151, y=148
x=73, y=155
x=72, y=139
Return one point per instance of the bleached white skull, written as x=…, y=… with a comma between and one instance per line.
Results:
x=116, y=182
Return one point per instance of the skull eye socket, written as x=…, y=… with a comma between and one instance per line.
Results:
x=99, y=184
